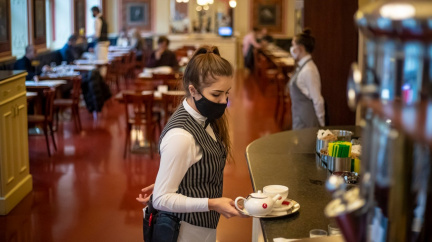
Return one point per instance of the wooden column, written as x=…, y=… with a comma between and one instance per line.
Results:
x=332, y=24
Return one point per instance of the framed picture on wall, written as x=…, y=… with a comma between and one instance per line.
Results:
x=4, y=21
x=39, y=21
x=137, y=14
x=268, y=14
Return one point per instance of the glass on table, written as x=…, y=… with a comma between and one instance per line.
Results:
x=333, y=229
x=314, y=233
x=53, y=66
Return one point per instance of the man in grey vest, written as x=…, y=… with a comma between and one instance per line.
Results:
x=100, y=36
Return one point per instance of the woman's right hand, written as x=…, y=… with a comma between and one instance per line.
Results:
x=224, y=206
x=145, y=199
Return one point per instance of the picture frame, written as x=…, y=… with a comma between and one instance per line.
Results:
x=137, y=14
x=268, y=14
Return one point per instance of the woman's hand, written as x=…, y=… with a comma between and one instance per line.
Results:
x=145, y=199
x=224, y=206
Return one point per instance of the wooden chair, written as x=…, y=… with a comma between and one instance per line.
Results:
x=112, y=76
x=170, y=101
x=73, y=103
x=139, y=112
x=45, y=120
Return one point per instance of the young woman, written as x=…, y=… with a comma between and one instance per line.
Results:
x=194, y=146
x=305, y=85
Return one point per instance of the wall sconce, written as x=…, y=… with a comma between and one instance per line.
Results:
x=233, y=3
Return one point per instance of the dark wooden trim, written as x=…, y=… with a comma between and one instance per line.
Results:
x=39, y=29
x=5, y=46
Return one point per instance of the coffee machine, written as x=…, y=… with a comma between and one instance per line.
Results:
x=392, y=85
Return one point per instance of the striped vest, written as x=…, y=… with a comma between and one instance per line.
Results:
x=203, y=179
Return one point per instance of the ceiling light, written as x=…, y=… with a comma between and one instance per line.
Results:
x=233, y=3
x=206, y=7
x=397, y=11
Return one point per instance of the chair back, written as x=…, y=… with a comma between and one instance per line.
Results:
x=138, y=107
x=170, y=102
x=49, y=104
x=76, y=90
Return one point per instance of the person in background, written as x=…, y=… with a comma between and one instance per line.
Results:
x=163, y=56
x=81, y=45
x=304, y=86
x=123, y=39
x=25, y=63
x=69, y=51
x=100, y=34
x=249, y=43
x=250, y=40
x=194, y=143
x=137, y=43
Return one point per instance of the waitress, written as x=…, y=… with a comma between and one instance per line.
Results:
x=194, y=146
x=305, y=85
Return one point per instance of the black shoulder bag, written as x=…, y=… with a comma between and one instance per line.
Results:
x=160, y=226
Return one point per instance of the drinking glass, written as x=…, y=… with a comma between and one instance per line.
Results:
x=333, y=229
x=317, y=233
x=53, y=66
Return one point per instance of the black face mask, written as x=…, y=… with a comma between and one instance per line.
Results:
x=209, y=109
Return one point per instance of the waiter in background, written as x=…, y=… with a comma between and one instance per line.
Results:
x=101, y=37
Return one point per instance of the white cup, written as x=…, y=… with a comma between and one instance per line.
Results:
x=273, y=190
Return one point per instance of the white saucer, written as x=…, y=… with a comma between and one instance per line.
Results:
x=293, y=207
x=286, y=204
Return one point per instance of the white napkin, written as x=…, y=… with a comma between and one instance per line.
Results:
x=323, y=133
x=283, y=240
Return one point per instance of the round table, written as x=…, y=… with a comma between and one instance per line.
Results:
x=289, y=159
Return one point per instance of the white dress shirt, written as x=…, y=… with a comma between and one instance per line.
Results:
x=98, y=26
x=179, y=151
x=309, y=83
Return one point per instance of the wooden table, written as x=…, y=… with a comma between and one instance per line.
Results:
x=92, y=62
x=44, y=84
x=157, y=95
x=280, y=58
x=31, y=95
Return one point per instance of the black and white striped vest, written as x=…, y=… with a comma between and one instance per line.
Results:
x=203, y=179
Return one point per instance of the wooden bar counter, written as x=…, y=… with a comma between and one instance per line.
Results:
x=289, y=159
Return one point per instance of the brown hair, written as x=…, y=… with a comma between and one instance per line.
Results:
x=306, y=39
x=202, y=70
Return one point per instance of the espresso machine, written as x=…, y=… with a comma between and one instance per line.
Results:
x=392, y=85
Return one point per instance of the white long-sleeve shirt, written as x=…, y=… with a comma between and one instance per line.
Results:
x=309, y=83
x=98, y=26
x=179, y=151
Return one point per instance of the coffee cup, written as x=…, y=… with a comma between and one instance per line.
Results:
x=272, y=190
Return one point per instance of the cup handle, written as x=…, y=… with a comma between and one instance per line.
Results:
x=238, y=199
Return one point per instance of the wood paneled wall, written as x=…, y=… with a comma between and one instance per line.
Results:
x=332, y=24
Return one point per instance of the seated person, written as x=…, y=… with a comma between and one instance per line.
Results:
x=123, y=39
x=69, y=51
x=162, y=56
x=25, y=63
x=137, y=43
